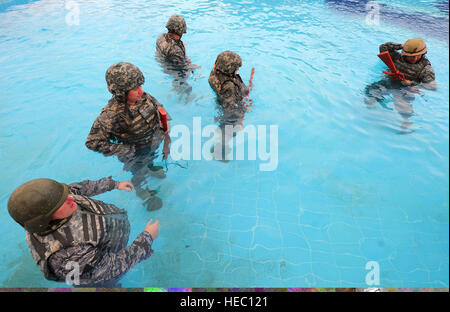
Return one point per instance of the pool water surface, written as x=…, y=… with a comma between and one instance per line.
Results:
x=353, y=183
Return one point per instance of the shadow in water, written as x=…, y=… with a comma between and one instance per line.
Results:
x=180, y=76
x=384, y=91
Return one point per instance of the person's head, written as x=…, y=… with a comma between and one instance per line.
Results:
x=125, y=80
x=413, y=50
x=228, y=62
x=176, y=25
x=35, y=204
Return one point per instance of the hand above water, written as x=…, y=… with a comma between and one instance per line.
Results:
x=407, y=82
x=153, y=229
x=125, y=186
x=194, y=66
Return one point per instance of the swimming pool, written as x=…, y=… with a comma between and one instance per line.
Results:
x=351, y=186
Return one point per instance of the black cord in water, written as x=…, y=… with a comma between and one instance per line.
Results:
x=166, y=163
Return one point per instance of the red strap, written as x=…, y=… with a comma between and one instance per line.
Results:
x=174, y=35
x=250, y=86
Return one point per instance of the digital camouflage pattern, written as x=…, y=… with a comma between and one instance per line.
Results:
x=177, y=25
x=418, y=72
x=228, y=62
x=171, y=49
x=123, y=130
x=230, y=91
x=123, y=77
x=229, y=87
x=94, y=237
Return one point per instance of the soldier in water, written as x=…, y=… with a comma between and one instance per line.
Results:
x=418, y=72
x=130, y=128
x=171, y=54
x=230, y=90
x=74, y=238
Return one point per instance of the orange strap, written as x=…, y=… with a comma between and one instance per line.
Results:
x=163, y=115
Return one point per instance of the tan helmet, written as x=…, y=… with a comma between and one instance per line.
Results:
x=32, y=204
x=414, y=47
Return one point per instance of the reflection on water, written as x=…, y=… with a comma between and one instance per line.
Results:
x=180, y=76
x=414, y=20
x=381, y=92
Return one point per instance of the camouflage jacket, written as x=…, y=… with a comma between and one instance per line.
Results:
x=172, y=50
x=418, y=72
x=230, y=90
x=123, y=129
x=94, y=238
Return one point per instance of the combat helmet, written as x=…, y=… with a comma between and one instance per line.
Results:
x=227, y=62
x=123, y=77
x=176, y=25
x=32, y=204
x=414, y=47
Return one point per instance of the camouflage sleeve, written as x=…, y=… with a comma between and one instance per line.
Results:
x=96, y=266
x=427, y=74
x=229, y=95
x=178, y=58
x=392, y=47
x=105, y=129
x=92, y=188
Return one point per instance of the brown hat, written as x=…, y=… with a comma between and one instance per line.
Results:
x=414, y=47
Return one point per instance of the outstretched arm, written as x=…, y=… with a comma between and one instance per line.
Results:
x=92, y=188
x=392, y=47
x=102, y=131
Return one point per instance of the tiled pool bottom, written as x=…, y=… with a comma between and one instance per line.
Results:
x=349, y=189
x=256, y=231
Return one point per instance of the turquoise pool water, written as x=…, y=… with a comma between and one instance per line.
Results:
x=351, y=186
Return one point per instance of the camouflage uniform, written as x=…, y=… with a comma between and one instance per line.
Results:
x=95, y=237
x=132, y=132
x=230, y=91
x=228, y=86
x=171, y=54
x=123, y=130
x=172, y=50
x=418, y=72
x=168, y=47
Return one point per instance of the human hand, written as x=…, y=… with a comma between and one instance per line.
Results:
x=166, y=148
x=406, y=82
x=125, y=186
x=414, y=89
x=152, y=229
